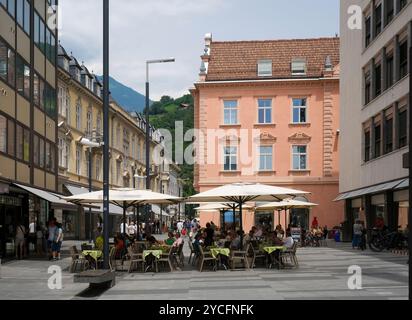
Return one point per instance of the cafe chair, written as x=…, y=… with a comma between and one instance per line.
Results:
x=135, y=259
x=77, y=259
x=290, y=254
x=239, y=255
x=166, y=257
x=206, y=256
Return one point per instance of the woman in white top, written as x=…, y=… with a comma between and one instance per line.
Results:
x=288, y=242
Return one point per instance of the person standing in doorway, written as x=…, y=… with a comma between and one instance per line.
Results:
x=32, y=235
x=20, y=241
x=51, y=231
x=57, y=243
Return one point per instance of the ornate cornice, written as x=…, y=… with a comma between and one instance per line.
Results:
x=300, y=138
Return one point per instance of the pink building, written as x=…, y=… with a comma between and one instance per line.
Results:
x=268, y=112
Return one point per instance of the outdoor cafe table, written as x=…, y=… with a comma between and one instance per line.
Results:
x=94, y=254
x=156, y=252
x=218, y=253
x=272, y=249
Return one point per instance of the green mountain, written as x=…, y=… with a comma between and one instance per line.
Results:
x=164, y=114
x=128, y=98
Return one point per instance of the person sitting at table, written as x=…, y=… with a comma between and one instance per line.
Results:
x=99, y=243
x=120, y=246
x=221, y=240
x=151, y=239
x=288, y=242
x=170, y=239
x=276, y=241
x=209, y=231
x=178, y=241
x=235, y=244
x=279, y=230
x=259, y=232
x=249, y=237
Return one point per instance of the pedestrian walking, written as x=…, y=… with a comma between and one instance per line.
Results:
x=20, y=241
x=57, y=242
x=357, y=234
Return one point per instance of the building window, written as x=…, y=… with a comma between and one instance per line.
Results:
x=378, y=140
x=99, y=123
x=265, y=111
x=299, y=110
x=118, y=174
x=36, y=146
x=368, y=34
x=89, y=124
x=390, y=10
x=63, y=153
x=41, y=153
x=367, y=143
x=388, y=132
x=300, y=157
x=403, y=128
x=11, y=138
x=230, y=158
x=3, y=134
x=126, y=143
x=22, y=143
x=118, y=136
x=23, y=15
x=367, y=87
x=403, y=60
x=230, y=112
x=9, y=5
x=298, y=67
x=389, y=71
x=23, y=77
x=265, y=158
x=378, y=80
x=378, y=19
x=7, y=64
x=78, y=160
x=265, y=68
x=98, y=168
x=50, y=157
x=78, y=115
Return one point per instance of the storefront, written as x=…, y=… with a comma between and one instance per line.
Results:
x=265, y=220
x=389, y=201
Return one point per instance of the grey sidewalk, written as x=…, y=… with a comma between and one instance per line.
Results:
x=323, y=274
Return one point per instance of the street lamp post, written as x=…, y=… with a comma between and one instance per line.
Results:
x=106, y=133
x=90, y=144
x=149, y=62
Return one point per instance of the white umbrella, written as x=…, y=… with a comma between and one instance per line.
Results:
x=286, y=205
x=125, y=198
x=240, y=193
x=219, y=206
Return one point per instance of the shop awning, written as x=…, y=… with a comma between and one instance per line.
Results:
x=96, y=208
x=403, y=185
x=372, y=190
x=55, y=200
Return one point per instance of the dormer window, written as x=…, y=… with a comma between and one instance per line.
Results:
x=265, y=68
x=299, y=67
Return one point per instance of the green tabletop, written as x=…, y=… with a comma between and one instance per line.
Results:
x=272, y=249
x=156, y=253
x=163, y=248
x=222, y=251
x=95, y=254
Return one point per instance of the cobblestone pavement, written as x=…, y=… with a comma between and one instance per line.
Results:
x=322, y=275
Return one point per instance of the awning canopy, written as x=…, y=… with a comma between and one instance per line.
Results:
x=394, y=185
x=97, y=208
x=55, y=200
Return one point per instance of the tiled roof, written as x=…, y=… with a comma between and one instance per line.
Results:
x=238, y=60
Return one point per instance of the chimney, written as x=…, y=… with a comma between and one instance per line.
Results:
x=205, y=58
x=328, y=67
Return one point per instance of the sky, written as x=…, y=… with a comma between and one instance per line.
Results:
x=142, y=30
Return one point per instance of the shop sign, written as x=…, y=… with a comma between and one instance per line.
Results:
x=10, y=201
x=296, y=233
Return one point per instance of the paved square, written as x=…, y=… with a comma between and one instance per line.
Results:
x=322, y=275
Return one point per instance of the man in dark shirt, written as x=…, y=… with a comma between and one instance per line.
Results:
x=209, y=235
